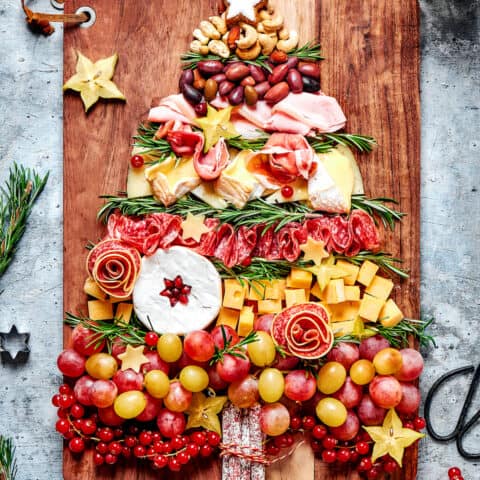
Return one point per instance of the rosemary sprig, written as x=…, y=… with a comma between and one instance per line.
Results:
x=110, y=331
x=190, y=59
x=8, y=463
x=145, y=139
x=376, y=207
x=255, y=144
x=311, y=51
x=235, y=350
x=326, y=141
x=398, y=335
x=16, y=202
x=384, y=260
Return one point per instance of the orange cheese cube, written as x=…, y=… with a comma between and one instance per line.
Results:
x=370, y=307
x=390, y=314
x=124, y=312
x=352, y=293
x=228, y=317
x=234, y=295
x=368, y=270
x=344, y=311
x=295, y=297
x=380, y=287
x=350, y=269
x=316, y=291
x=98, y=310
x=275, y=289
x=258, y=290
x=334, y=291
x=245, y=323
x=91, y=288
x=118, y=300
x=343, y=328
x=299, y=278
x=269, y=306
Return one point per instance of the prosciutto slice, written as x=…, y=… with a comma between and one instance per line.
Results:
x=173, y=107
x=210, y=165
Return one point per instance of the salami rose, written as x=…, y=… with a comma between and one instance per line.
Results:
x=303, y=331
x=115, y=267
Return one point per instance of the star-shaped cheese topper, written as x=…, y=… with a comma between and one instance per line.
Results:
x=203, y=412
x=216, y=125
x=326, y=271
x=133, y=358
x=391, y=437
x=244, y=10
x=314, y=250
x=93, y=80
x=194, y=227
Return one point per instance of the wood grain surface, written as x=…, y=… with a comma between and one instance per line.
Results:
x=371, y=67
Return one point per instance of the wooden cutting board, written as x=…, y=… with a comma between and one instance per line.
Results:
x=371, y=67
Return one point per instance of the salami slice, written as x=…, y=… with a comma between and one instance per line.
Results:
x=290, y=238
x=320, y=229
x=246, y=241
x=364, y=230
x=264, y=241
x=341, y=235
x=208, y=241
x=226, y=248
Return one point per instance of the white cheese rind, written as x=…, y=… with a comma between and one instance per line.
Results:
x=204, y=301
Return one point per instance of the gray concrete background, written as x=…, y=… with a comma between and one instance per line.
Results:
x=31, y=290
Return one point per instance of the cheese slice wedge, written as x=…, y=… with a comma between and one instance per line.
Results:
x=300, y=192
x=206, y=192
x=137, y=184
x=358, y=188
x=172, y=179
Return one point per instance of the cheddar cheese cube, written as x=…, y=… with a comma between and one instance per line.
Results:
x=299, y=278
x=343, y=328
x=294, y=297
x=124, y=312
x=269, y=306
x=234, y=295
x=98, y=310
x=350, y=269
x=380, y=287
x=334, y=291
x=91, y=288
x=367, y=272
x=316, y=291
x=275, y=289
x=258, y=290
x=352, y=293
x=390, y=314
x=118, y=300
x=370, y=307
x=228, y=316
x=344, y=311
x=245, y=323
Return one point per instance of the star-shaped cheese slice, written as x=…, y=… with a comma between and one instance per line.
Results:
x=391, y=437
x=326, y=271
x=216, y=125
x=194, y=227
x=314, y=250
x=133, y=358
x=93, y=80
x=243, y=10
x=203, y=412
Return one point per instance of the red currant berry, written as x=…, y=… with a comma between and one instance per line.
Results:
x=183, y=457
x=287, y=191
x=151, y=339
x=174, y=465
x=56, y=400
x=319, y=432
x=193, y=449
x=64, y=389
x=66, y=401
x=77, y=410
x=110, y=459
x=308, y=422
x=62, y=413
x=457, y=477
x=156, y=436
x=102, y=448
x=126, y=452
x=130, y=441
x=88, y=426
x=362, y=448
x=344, y=455
x=373, y=473
x=213, y=438
x=316, y=445
x=280, y=441
x=115, y=448
x=118, y=432
x=272, y=449
x=177, y=443
x=409, y=425
x=199, y=438
x=98, y=459
x=62, y=426
x=160, y=461
x=329, y=456
x=354, y=456
x=139, y=451
x=390, y=466
x=76, y=445
x=295, y=423
x=288, y=439
x=167, y=447
x=77, y=423
x=365, y=464
x=105, y=434
x=206, y=450
x=419, y=423
x=454, y=471
x=145, y=438
x=247, y=262
x=137, y=161
x=329, y=442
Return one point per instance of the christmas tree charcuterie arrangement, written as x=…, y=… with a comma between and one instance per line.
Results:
x=240, y=299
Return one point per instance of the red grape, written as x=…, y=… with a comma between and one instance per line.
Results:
x=244, y=393
x=82, y=390
x=348, y=430
x=369, y=347
x=109, y=417
x=274, y=419
x=178, y=398
x=369, y=413
x=71, y=363
x=199, y=345
x=232, y=368
x=215, y=381
x=154, y=363
x=86, y=342
x=410, y=399
x=385, y=391
x=345, y=353
x=412, y=365
x=263, y=323
x=171, y=423
x=185, y=361
x=103, y=393
x=285, y=363
x=129, y=379
x=300, y=385
x=230, y=334
x=350, y=394
x=152, y=409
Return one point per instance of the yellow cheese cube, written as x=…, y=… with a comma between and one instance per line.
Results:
x=368, y=270
x=269, y=306
x=258, y=290
x=228, y=317
x=234, y=295
x=316, y=291
x=343, y=328
x=118, y=300
x=350, y=269
x=294, y=297
x=390, y=314
x=124, y=312
x=370, y=307
x=352, y=293
x=275, y=289
x=299, y=278
x=335, y=291
x=307, y=294
x=98, y=310
x=245, y=323
x=91, y=288
x=344, y=311
x=380, y=287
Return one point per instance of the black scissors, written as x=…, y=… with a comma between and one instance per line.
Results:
x=462, y=428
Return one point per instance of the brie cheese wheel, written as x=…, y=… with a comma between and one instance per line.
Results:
x=204, y=300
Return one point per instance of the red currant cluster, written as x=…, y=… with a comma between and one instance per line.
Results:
x=80, y=429
x=454, y=473
x=176, y=291
x=356, y=452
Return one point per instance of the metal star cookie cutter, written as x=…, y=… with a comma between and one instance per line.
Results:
x=14, y=346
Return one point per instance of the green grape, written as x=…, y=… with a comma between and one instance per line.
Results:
x=262, y=352
x=130, y=404
x=331, y=412
x=331, y=377
x=194, y=378
x=271, y=385
x=169, y=347
x=157, y=383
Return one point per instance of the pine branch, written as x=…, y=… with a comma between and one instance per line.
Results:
x=8, y=463
x=384, y=260
x=16, y=202
x=376, y=207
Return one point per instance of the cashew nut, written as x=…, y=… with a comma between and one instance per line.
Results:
x=209, y=30
x=248, y=37
x=198, y=34
x=273, y=23
x=217, y=47
x=260, y=28
x=197, y=47
x=251, y=53
x=288, y=44
x=284, y=33
x=220, y=24
x=268, y=42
